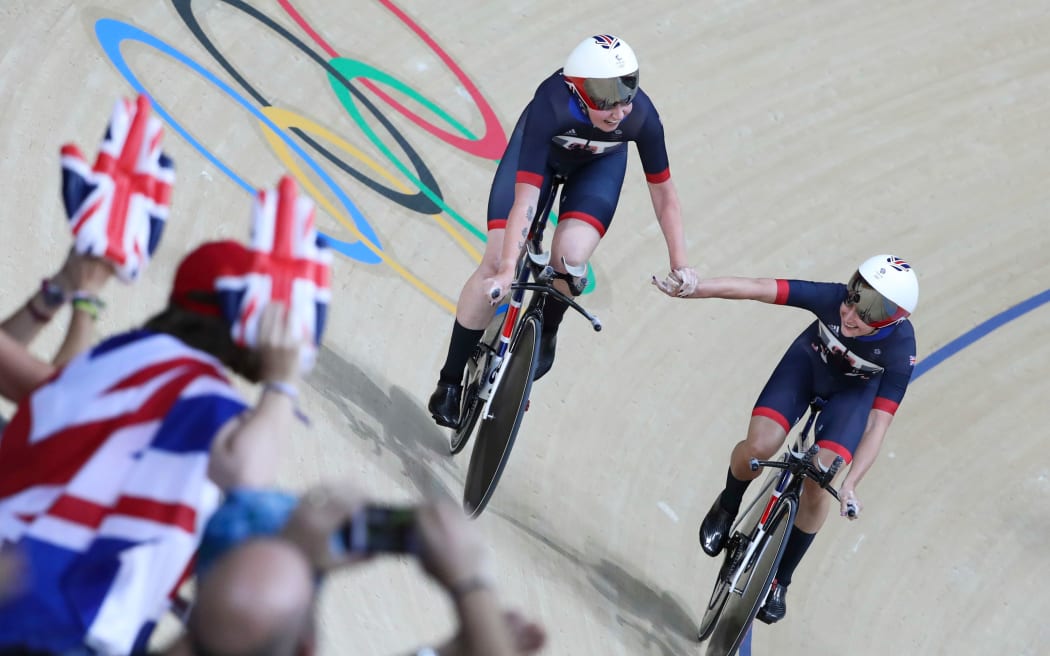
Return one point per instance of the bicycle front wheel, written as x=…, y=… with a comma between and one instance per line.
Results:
x=743, y=530
x=473, y=380
x=497, y=432
x=740, y=608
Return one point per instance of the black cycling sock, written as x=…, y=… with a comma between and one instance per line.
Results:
x=733, y=494
x=798, y=543
x=460, y=346
x=553, y=312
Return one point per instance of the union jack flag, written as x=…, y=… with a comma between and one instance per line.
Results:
x=606, y=41
x=897, y=263
x=104, y=491
x=290, y=263
x=117, y=208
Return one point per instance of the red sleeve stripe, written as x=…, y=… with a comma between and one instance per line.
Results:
x=885, y=405
x=774, y=415
x=657, y=178
x=525, y=177
x=497, y=224
x=782, y=292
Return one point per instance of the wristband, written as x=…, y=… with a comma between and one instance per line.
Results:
x=287, y=389
x=88, y=303
x=291, y=392
x=38, y=316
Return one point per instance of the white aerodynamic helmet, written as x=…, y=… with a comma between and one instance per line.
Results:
x=602, y=71
x=884, y=290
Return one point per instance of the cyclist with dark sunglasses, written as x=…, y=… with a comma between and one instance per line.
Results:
x=576, y=127
x=858, y=355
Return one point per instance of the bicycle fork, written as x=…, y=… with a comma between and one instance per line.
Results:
x=761, y=528
x=494, y=371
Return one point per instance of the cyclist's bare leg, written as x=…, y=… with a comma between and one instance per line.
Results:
x=473, y=314
x=473, y=310
x=573, y=244
x=764, y=439
x=814, y=504
x=575, y=241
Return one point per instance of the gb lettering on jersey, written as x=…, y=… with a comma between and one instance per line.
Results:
x=596, y=147
x=834, y=353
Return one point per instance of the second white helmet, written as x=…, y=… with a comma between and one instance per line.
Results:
x=884, y=290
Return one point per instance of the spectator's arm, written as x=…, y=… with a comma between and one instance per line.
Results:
x=81, y=277
x=455, y=557
x=20, y=371
x=247, y=451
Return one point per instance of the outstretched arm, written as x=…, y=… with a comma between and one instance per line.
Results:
x=752, y=289
x=668, y=211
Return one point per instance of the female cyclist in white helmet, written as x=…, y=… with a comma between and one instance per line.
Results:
x=858, y=356
x=577, y=126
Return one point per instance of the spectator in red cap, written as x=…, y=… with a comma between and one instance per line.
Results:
x=109, y=471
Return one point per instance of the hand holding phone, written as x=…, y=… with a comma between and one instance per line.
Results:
x=379, y=529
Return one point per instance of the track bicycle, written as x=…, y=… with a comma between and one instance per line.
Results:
x=499, y=374
x=758, y=538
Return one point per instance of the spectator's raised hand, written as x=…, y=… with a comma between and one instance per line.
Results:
x=321, y=514
x=279, y=345
x=83, y=273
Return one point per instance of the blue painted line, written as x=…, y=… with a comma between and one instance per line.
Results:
x=979, y=331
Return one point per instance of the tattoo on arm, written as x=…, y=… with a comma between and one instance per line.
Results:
x=530, y=211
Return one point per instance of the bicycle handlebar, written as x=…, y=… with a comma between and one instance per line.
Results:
x=808, y=467
x=596, y=323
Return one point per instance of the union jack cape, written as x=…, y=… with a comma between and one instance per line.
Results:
x=104, y=490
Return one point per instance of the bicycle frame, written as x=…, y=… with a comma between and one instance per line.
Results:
x=494, y=370
x=533, y=262
x=802, y=453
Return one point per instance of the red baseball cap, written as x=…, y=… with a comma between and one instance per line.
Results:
x=200, y=271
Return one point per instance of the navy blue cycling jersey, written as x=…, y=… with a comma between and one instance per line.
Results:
x=887, y=356
x=559, y=134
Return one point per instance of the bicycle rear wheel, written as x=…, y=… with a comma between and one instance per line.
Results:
x=740, y=609
x=496, y=433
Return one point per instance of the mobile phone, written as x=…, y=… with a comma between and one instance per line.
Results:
x=380, y=529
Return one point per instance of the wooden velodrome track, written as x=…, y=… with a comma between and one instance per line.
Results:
x=804, y=137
